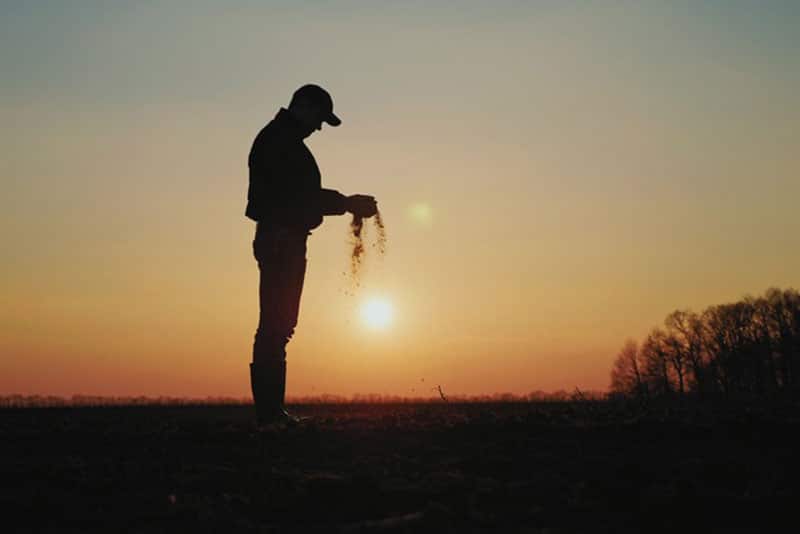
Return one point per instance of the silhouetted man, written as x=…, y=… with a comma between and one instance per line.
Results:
x=287, y=201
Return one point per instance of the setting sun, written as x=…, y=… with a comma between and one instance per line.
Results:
x=377, y=313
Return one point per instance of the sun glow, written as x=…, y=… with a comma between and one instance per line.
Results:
x=420, y=213
x=377, y=313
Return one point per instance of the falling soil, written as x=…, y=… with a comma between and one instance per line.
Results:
x=357, y=234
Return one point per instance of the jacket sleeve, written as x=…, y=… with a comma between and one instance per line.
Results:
x=271, y=197
x=274, y=194
x=332, y=202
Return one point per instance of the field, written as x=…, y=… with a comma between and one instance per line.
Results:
x=445, y=467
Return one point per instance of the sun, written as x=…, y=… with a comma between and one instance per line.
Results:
x=377, y=313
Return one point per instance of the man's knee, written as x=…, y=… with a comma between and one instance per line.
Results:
x=268, y=353
x=269, y=346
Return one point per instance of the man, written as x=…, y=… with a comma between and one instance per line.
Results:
x=287, y=201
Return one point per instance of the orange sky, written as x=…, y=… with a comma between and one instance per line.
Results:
x=580, y=171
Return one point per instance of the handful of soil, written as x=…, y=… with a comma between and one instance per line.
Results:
x=357, y=233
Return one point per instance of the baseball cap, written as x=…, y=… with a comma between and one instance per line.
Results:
x=321, y=98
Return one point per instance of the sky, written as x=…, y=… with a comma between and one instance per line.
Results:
x=554, y=177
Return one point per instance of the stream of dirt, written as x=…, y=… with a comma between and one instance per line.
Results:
x=358, y=232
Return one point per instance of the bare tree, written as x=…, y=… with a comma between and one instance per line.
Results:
x=655, y=359
x=749, y=348
x=626, y=376
x=687, y=327
x=677, y=352
x=783, y=318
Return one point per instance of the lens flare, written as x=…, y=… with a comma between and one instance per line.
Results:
x=420, y=213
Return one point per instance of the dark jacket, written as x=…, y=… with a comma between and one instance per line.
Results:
x=285, y=186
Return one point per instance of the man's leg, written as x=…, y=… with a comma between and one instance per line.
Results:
x=282, y=265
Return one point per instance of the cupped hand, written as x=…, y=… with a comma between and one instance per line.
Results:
x=363, y=206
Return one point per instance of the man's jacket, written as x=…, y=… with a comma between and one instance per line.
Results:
x=285, y=185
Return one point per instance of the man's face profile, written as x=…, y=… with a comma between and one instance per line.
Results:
x=309, y=115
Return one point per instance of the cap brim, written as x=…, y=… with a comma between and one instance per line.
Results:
x=333, y=120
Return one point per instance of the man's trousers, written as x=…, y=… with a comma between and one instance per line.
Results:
x=281, y=257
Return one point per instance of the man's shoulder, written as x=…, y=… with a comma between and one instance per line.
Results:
x=268, y=134
x=269, y=142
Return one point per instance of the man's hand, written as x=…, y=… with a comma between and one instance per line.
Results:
x=363, y=206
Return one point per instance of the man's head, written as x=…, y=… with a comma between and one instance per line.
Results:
x=312, y=105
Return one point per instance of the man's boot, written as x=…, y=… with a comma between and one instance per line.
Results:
x=287, y=417
x=268, y=382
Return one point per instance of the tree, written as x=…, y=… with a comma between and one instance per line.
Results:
x=749, y=348
x=687, y=328
x=656, y=364
x=626, y=377
x=782, y=314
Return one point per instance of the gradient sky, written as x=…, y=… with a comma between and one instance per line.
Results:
x=586, y=167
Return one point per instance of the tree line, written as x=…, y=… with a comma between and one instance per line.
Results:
x=746, y=349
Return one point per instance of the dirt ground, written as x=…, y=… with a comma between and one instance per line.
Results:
x=513, y=467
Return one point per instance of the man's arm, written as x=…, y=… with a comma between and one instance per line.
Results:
x=334, y=203
x=275, y=194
